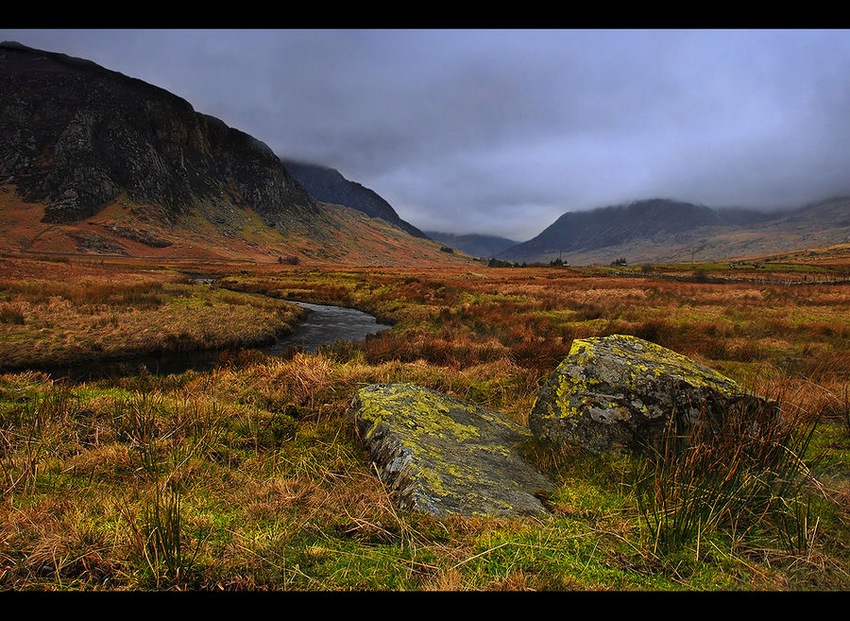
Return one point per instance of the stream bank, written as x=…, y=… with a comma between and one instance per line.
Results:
x=324, y=325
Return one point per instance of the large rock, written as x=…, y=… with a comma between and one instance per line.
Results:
x=617, y=394
x=443, y=456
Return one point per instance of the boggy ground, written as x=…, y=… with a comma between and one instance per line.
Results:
x=249, y=476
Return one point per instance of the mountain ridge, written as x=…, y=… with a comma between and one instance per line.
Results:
x=329, y=185
x=666, y=230
x=95, y=162
x=477, y=245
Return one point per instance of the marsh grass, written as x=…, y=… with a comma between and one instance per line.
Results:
x=11, y=313
x=745, y=473
x=157, y=540
x=33, y=430
x=250, y=477
x=49, y=323
x=840, y=408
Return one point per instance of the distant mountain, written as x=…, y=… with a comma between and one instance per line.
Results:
x=473, y=244
x=328, y=185
x=95, y=162
x=663, y=230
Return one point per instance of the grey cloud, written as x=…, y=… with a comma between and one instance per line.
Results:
x=500, y=132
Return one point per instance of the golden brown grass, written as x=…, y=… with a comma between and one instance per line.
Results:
x=58, y=315
x=249, y=475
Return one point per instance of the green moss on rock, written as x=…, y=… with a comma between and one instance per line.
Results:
x=618, y=393
x=444, y=456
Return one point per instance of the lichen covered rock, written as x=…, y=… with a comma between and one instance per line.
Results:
x=443, y=456
x=617, y=394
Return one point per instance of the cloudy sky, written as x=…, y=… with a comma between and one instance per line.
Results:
x=502, y=131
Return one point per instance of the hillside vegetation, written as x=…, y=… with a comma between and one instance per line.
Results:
x=125, y=229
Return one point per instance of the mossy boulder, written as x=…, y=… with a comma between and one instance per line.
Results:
x=443, y=456
x=621, y=394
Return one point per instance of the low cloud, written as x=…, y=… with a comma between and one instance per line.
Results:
x=500, y=132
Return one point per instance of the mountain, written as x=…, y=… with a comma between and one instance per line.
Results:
x=328, y=185
x=474, y=244
x=74, y=136
x=665, y=230
x=95, y=162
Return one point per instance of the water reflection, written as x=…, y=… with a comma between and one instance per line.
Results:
x=324, y=325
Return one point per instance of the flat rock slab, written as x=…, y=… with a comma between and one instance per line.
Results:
x=619, y=393
x=443, y=456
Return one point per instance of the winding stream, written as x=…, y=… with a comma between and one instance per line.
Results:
x=324, y=325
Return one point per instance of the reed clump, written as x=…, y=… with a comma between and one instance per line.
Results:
x=746, y=474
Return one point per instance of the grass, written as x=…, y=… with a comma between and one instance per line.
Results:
x=745, y=472
x=249, y=476
x=73, y=317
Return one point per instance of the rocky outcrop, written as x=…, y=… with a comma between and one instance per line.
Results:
x=617, y=394
x=613, y=394
x=443, y=456
x=74, y=135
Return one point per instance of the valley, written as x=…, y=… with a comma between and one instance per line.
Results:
x=132, y=226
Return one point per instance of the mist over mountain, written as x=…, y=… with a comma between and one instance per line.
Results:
x=328, y=185
x=473, y=244
x=93, y=161
x=665, y=230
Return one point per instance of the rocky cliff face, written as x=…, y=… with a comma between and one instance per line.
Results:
x=74, y=136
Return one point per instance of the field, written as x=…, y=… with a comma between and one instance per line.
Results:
x=249, y=476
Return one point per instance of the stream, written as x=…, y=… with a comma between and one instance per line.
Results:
x=323, y=325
